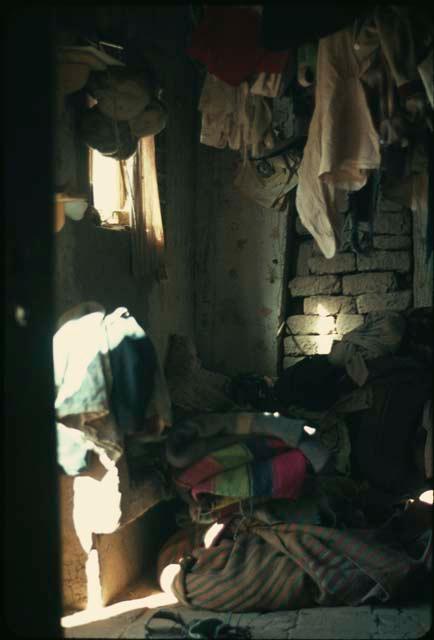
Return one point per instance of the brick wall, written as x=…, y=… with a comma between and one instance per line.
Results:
x=329, y=297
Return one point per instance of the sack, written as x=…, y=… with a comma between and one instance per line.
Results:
x=269, y=180
x=313, y=383
x=383, y=436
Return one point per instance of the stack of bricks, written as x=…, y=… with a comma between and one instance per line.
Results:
x=330, y=297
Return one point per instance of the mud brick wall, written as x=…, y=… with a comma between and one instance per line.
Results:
x=330, y=297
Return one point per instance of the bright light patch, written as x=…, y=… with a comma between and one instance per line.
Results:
x=106, y=183
x=276, y=414
x=266, y=413
x=325, y=325
x=103, y=613
x=324, y=344
x=97, y=506
x=211, y=534
x=309, y=430
x=94, y=595
x=167, y=577
x=322, y=311
x=427, y=496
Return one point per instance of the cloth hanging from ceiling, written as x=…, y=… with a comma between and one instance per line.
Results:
x=227, y=42
x=148, y=244
x=234, y=117
x=342, y=145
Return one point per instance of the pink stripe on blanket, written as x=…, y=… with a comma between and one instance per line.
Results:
x=200, y=471
x=289, y=471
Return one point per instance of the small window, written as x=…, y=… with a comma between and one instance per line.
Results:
x=112, y=188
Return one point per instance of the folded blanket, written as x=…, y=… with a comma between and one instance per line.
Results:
x=256, y=468
x=193, y=439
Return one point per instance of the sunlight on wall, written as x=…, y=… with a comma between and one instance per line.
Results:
x=322, y=311
x=324, y=325
x=324, y=344
x=94, y=593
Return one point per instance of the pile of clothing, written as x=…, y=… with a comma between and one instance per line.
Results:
x=296, y=506
x=109, y=385
x=305, y=503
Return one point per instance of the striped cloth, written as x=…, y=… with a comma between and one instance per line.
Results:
x=283, y=567
x=256, y=468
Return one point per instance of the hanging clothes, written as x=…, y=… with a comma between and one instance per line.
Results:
x=233, y=117
x=226, y=41
x=342, y=146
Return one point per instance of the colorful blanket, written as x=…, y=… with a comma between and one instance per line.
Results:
x=283, y=567
x=255, y=468
x=194, y=438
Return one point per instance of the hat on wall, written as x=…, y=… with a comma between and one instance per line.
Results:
x=121, y=93
x=107, y=136
x=150, y=121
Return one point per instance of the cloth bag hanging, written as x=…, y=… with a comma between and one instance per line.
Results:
x=269, y=180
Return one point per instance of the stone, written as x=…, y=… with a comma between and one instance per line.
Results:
x=316, y=250
x=305, y=251
x=392, y=243
x=369, y=282
x=312, y=285
x=392, y=223
x=340, y=263
x=396, y=301
x=346, y=322
x=329, y=305
x=289, y=361
x=307, y=345
x=300, y=228
x=385, y=261
x=302, y=325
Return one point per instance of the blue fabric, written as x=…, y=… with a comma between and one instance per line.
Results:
x=72, y=450
x=133, y=363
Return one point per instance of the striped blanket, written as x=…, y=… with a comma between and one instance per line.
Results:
x=255, y=468
x=283, y=567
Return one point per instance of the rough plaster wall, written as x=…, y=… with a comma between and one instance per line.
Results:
x=239, y=267
x=170, y=304
x=92, y=263
x=121, y=558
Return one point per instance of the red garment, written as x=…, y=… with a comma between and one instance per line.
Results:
x=227, y=41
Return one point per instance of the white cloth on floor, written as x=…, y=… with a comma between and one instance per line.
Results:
x=380, y=335
x=342, y=145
